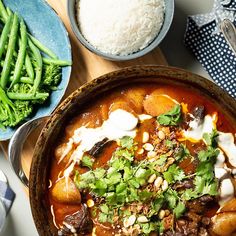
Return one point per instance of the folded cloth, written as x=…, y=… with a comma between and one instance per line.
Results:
x=6, y=194
x=206, y=42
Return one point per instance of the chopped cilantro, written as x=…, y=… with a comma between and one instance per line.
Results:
x=99, y=173
x=87, y=161
x=102, y=217
x=171, y=196
x=147, y=228
x=173, y=174
x=173, y=117
x=124, y=180
x=181, y=153
x=104, y=208
x=210, y=138
x=179, y=209
x=158, y=203
x=145, y=195
x=161, y=228
x=161, y=161
x=127, y=142
x=209, y=154
x=170, y=144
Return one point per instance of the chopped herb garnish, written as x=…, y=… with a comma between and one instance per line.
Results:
x=173, y=117
x=210, y=138
x=179, y=209
x=87, y=161
x=125, y=181
x=173, y=174
x=127, y=142
x=181, y=152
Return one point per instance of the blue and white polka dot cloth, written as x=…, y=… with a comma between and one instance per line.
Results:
x=209, y=46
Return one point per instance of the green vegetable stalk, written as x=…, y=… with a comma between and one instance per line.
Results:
x=10, y=50
x=39, y=65
x=3, y=12
x=29, y=67
x=4, y=35
x=12, y=113
x=21, y=54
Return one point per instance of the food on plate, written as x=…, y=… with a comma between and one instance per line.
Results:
x=27, y=76
x=146, y=159
x=120, y=27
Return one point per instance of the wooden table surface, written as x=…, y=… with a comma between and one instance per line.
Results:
x=86, y=66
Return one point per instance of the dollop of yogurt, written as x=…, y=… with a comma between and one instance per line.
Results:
x=226, y=143
x=120, y=123
x=198, y=128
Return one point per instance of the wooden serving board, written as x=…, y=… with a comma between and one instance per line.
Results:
x=86, y=66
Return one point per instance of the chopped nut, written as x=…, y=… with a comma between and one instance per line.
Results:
x=158, y=182
x=151, y=154
x=164, y=186
x=140, y=151
x=148, y=147
x=142, y=219
x=152, y=178
x=169, y=162
x=161, y=214
x=152, y=160
x=129, y=221
x=145, y=137
x=167, y=212
x=161, y=135
x=90, y=203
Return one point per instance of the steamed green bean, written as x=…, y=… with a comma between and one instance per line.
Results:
x=21, y=54
x=39, y=65
x=10, y=49
x=3, y=12
x=29, y=96
x=29, y=67
x=4, y=35
x=42, y=48
x=56, y=61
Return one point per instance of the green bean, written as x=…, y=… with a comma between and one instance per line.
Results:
x=3, y=12
x=43, y=48
x=4, y=35
x=10, y=50
x=56, y=62
x=39, y=65
x=9, y=12
x=26, y=80
x=27, y=96
x=29, y=67
x=21, y=54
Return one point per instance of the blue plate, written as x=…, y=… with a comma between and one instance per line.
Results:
x=46, y=26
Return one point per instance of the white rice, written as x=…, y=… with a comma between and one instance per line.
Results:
x=120, y=27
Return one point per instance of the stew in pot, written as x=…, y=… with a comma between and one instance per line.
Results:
x=148, y=159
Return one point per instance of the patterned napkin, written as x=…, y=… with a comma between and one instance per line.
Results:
x=207, y=43
x=6, y=194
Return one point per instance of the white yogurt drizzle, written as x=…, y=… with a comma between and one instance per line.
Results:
x=226, y=143
x=197, y=128
x=120, y=123
x=227, y=147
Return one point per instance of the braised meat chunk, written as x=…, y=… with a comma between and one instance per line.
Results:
x=79, y=223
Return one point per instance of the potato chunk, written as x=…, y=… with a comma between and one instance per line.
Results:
x=65, y=191
x=229, y=206
x=224, y=224
x=156, y=104
x=136, y=97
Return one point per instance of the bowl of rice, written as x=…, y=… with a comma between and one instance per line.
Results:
x=120, y=30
